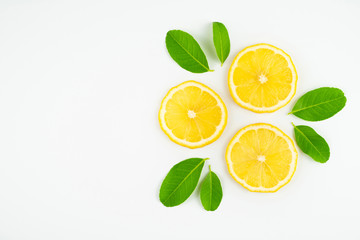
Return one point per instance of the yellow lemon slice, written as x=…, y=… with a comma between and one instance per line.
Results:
x=261, y=158
x=262, y=78
x=192, y=115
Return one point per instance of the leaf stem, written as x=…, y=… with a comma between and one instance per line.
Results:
x=206, y=159
x=293, y=124
x=209, y=167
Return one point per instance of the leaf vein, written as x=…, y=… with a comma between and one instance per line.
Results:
x=189, y=53
x=315, y=105
x=187, y=176
x=310, y=142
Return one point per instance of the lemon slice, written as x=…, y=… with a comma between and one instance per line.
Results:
x=192, y=115
x=262, y=78
x=261, y=158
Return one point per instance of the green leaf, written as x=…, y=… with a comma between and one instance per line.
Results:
x=311, y=143
x=221, y=41
x=185, y=50
x=319, y=104
x=181, y=181
x=211, y=192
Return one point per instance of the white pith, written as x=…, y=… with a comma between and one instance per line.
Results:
x=191, y=114
x=263, y=78
x=277, y=132
x=281, y=103
x=203, y=141
x=261, y=158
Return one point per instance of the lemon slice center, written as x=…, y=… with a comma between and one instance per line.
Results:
x=263, y=78
x=191, y=114
x=261, y=158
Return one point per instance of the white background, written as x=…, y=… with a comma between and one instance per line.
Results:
x=82, y=155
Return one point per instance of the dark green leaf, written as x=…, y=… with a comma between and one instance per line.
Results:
x=181, y=181
x=311, y=143
x=221, y=41
x=319, y=104
x=211, y=192
x=184, y=49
